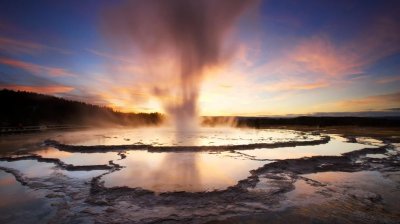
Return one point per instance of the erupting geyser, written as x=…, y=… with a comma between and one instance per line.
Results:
x=176, y=41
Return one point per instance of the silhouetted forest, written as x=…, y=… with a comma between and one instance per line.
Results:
x=262, y=122
x=20, y=108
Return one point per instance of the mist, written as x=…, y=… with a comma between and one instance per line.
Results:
x=177, y=42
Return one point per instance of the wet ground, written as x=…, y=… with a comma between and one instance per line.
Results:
x=216, y=175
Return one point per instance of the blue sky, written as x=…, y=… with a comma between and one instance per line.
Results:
x=288, y=57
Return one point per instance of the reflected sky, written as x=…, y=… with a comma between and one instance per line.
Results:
x=35, y=169
x=336, y=146
x=372, y=181
x=169, y=136
x=20, y=205
x=77, y=159
x=179, y=171
x=30, y=168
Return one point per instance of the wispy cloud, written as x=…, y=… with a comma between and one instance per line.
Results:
x=388, y=79
x=15, y=46
x=319, y=57
x=384, y=101
x=35, y=68
x=110, y=56
x=295, y=85
x=315, y=58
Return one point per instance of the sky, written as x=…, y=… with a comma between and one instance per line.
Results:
x=285, y=57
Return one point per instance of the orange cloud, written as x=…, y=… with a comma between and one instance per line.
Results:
x=294, y=85
x=125, y=97
x=36, y=69
x=39, y=89
x=384, y=101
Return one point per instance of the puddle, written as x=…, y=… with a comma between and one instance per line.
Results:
x=82, y=174
x=77, y=159
x=376, y=156
x=35, y=169
x=30, y=168
x=370, y=141
x=332, y=197
x=162, y=172
x=364, y=185
x=19, y=204
x=177, y=171
x=170, y=137
x=335, y=147
x=83, y=177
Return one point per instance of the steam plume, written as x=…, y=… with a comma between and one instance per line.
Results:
x=179, y=39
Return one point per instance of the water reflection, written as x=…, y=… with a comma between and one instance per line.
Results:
x=163, y=172
x=358, y=184
x=77, y=158
x=30, y=168
x=336, y=146
x=35, y=169
x=177, y=172
x=167, y=136
x=189, y=171
x=20, y=205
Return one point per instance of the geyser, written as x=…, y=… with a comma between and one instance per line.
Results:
x=176, y=41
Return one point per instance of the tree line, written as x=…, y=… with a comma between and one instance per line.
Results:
x=20, y=108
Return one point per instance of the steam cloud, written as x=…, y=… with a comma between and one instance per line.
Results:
x=179, y=39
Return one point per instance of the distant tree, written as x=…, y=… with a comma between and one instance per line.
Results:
x=20, y=108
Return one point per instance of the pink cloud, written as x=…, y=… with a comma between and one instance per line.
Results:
x=110, y=56
x=372, y=102
x=36, y=69
x=388, y=80
x=295, y=85
x=320, y=56
x=319, y=59
x=26, y=47
x=10, y=45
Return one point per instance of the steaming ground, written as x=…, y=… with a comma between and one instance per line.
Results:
x=302, y=176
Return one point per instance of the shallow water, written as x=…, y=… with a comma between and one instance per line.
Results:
x=35, y=169
x=169, y=137
x=331, y=197
x=175, y=171
x=30, y=168
x=181, y=171
x=77, y=159
x=49, y=171
x=19, y=204
x=363, y=185
x=335, y=147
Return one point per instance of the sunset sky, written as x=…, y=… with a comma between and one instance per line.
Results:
x=286, y=57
